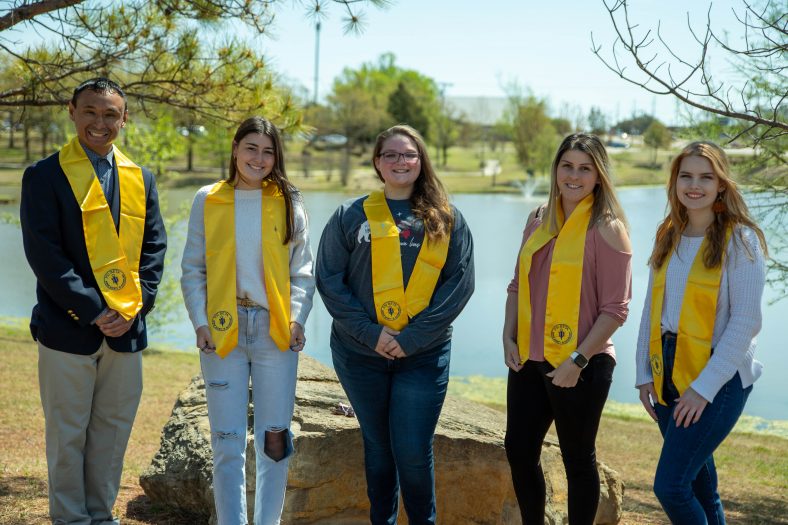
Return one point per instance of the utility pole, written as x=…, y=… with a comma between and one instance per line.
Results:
x=442, y=125
x=317, y=59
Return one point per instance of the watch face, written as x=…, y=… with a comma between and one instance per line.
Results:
x=579, y=359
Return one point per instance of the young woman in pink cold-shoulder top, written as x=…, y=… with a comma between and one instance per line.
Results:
x=559, y=320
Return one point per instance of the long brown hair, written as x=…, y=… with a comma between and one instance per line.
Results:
x=429, y=199
x=606, y=207
x=735, y=212
x=278, y=174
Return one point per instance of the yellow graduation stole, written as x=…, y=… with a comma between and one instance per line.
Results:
x=563, y=292
x=696, y=322
x=114, y=256
x=222, y=306
x=391, y=299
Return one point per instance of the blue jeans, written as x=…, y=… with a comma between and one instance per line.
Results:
x=686, y=478
x=397, y=404
x=273, y=374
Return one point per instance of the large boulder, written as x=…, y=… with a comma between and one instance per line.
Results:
x=326, y=480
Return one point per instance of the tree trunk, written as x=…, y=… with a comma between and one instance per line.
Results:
x=344, y=167
x=44, y=140
x=26, y=133
x=305, y=162
x=190, y=154
x=11, y=124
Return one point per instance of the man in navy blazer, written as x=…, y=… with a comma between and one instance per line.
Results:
x=89, y=355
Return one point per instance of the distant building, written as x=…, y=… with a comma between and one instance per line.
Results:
x=486, y=111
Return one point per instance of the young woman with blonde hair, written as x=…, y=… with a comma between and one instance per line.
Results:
x=394, y=269
x=695, y=365
x=248, y=284
x=571, y=290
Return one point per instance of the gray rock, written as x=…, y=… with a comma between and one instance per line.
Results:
x=326, y=479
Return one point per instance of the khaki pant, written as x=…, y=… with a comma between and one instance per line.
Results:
x=89, y=405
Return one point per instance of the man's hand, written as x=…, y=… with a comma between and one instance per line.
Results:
x=112, y=324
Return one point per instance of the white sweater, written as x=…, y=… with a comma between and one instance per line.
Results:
x=737, y=319
x=249, y=275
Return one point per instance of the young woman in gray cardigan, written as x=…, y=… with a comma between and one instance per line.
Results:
x=694, y=376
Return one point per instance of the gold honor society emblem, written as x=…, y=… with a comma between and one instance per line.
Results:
x=656, y=365
x=114, y=279
x=561, y=334
x=390, y=310
x=222, y=320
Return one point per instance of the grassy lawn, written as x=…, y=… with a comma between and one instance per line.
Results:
x=320, y=171
x=23, y=475
x=753, y=468
x=461, y=173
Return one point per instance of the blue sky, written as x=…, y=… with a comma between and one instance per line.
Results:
x=475, y=47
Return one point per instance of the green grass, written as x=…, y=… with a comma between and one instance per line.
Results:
x=461, y=174
x=23, y=474
x=11, y=176
x=491, y=391
x=753, y=467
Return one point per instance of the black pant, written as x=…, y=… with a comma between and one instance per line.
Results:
x=533, y=403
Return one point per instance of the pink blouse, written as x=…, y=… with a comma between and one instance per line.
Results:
x=606, y=287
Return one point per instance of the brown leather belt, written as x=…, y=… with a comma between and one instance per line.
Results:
x=246, y=303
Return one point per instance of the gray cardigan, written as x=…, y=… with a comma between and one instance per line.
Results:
x=737, y=319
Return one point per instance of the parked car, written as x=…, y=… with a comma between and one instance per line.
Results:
x=328, y=142
x=617, y=144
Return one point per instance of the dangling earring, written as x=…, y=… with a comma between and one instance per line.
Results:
x=719, y=205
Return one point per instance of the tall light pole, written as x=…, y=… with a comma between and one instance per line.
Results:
x=442, y=122
x=317, y=59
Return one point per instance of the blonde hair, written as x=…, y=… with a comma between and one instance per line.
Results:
x=735, y=210
x=606, y=207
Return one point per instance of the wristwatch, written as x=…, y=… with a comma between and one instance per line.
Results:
x=579, y=359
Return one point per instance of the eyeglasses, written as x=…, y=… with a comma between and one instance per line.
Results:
x=392, y=157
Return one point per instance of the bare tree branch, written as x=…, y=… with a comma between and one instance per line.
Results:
x=29, y=11
x=753, y=105
x=766, y=47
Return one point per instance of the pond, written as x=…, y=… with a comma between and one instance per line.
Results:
x=496, y=222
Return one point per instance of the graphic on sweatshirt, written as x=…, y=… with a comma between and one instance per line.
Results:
x=411, y=231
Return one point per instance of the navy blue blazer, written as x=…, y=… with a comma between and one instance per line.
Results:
x=69, y=299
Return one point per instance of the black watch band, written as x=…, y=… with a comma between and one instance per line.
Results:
x=579, y=359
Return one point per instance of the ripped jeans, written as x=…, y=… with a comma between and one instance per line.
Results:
x=273, y=375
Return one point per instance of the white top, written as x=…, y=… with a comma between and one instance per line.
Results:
x=249, y=275
x=737, y=319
